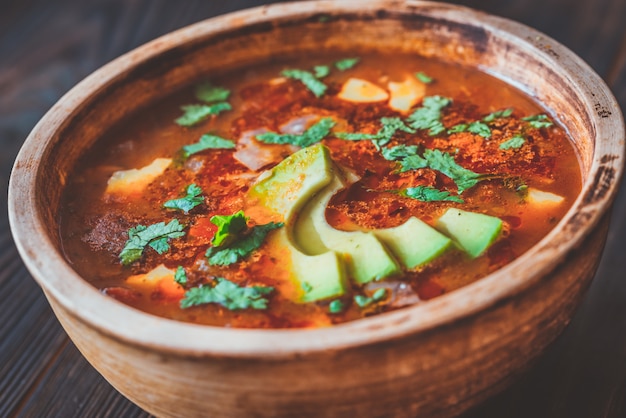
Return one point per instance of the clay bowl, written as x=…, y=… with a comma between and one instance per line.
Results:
x=433, y=359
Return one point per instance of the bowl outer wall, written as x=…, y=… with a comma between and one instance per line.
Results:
x=602, y=170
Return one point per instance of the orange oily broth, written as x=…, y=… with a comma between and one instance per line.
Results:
x=94, y=226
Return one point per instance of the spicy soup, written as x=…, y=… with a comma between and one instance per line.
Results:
x=314, y=191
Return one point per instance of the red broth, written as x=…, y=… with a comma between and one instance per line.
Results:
x=95, y=223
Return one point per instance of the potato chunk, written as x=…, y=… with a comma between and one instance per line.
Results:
x=135, y=180
x=362, y=91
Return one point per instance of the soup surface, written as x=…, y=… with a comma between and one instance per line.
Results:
x=314, y=191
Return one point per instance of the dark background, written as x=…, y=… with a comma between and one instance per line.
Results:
x=46, y=47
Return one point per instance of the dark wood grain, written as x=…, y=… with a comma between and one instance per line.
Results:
x=47, y=47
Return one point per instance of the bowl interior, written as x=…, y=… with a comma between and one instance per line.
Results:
x=539, y=66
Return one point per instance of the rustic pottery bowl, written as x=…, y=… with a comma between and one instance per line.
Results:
x=433, y=359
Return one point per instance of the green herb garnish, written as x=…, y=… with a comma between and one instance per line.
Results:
x=190, y=201
x=156, y=236
x=479, y=128
x=421, y=76
x=308, y=79
x=197, y=113
x=364, y=301
x=498, y=114
x=242, y=246
x=461, y=127
x=398, y=152
x=390, y=125
x=430, y=194
x=429, y=115
x=538, y=121
x=346, y=63
x=228, y=294
x=336, y=306
x=229, y=227
x=311, y=136
x=513, y=143
x=209, y=93
x=207, y=141
x=321, y=71
x=180, y=276
x=306, y=286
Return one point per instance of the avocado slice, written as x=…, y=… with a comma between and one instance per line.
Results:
x=414, y=243
x=284, y=190
x=365, y=257
x=472, y=232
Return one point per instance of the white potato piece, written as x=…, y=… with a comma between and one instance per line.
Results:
x=135, y=180
x=406, y=94
x=357, y=90
x=540, y=197
x=151, y=278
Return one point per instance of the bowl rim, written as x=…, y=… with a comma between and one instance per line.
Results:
x=137, y=328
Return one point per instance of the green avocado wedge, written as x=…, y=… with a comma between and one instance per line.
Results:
x=473, y=232
x=284, y=190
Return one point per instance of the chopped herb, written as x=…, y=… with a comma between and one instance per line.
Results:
x=321, y=71
x=399, y=151
x=513, y=143
x=190, y=201
x=421, y=76
x=390, y=125
x=180, y=276
x=364, y=301
x=209, y=93
x=308, y=79
x=538, y=121
x=461, y=127
x=413, y=162
x=156, y=236
x=479, y=128
x=323, y=19
x=517, y=184
x=346, y=63
x=430, y=194
x=229, y=227
x=336, y=306
x=498, y=114
x=306, y=286
x=429, y=115
x=476, y=127
x=242, y=246
x=444, y=163
x=228, y=294
x=311, y=136
x=208, y=141
x=197, y=113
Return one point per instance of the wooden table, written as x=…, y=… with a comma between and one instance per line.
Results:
x=47, y=47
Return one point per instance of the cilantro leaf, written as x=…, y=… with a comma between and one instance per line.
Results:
x=207, y=141
x=513, y=143
x=180, y=276
x=228, y=294
x=476, y=127
x=209, y=93
x=190, y=201
x=498, y=114
x=390, y=125
x=346, y=63
x=430, y=194
x=421, y=76
x=461, y=127
x=399, y=151
x=308, y=79
x=194, y=114
x=538, y=121
x=364, y=301
x=479, y=128
x=156, y=236
x=309, y=137
x=321, y=71
x=336, y=306
x=429, y=115
x=444, y=163
x=241, y=247
x=228, y=228
x=413, y=162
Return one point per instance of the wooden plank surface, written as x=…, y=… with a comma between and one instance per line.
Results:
x=47, y=47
